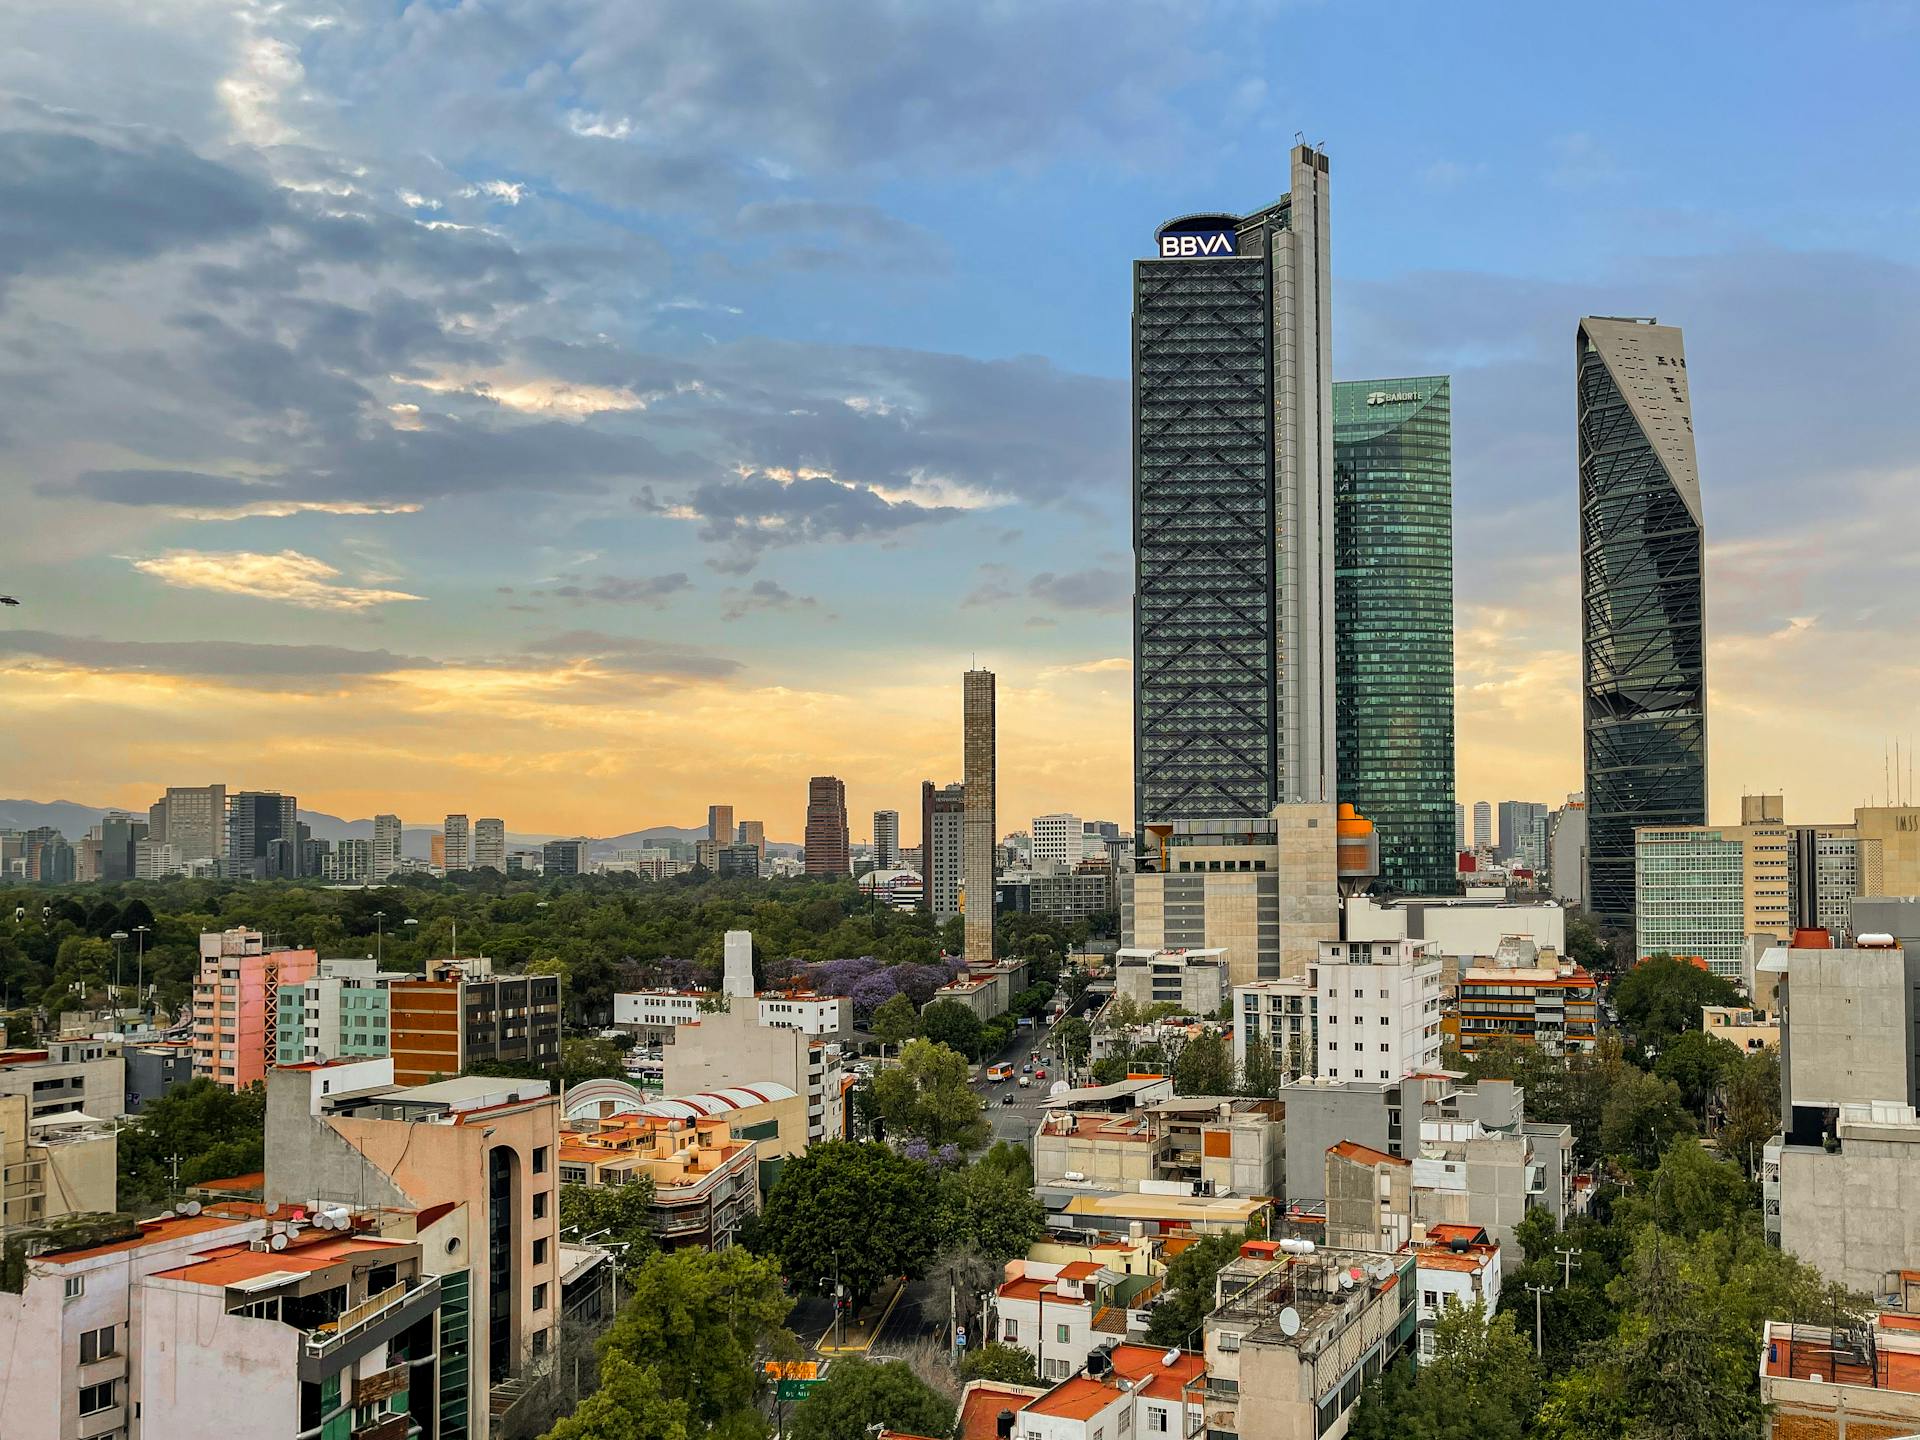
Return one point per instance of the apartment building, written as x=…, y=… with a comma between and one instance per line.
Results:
x=1556, y=1007
x=1061, y=1313
x=705, y=1178
x=1195, y=980
x=1701, y=890
x=661, y=1010
x=1283, y=1016
x=462, y=1013
x=236, y=1004
x=479, y=1152
x=340, y=1012
x=1129, y=1390
x=1178, y=1145
x=1454, y=1265
x=55, y=1165
x=86, y=1075
x=1378, y=1009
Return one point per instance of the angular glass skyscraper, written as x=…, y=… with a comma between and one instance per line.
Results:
x=1642, y=638
x=1393, y=625
x=1233, y=510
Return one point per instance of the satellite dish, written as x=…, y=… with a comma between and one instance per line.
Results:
x=192, y=1207
x=272, y=1211
x=1346, y=1281
x=279, y=1242
x=1289, y=1322
x=1383, y=1271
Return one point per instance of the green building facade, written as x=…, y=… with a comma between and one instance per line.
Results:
x=1393, y=621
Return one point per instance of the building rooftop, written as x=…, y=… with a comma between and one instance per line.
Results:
x=160, y=1231
x=982, y=1402
x=1321, y=1290
x=1226, y=1212
x=1148, y=1371
x=1882, y=1355
x=719, y=1102
x=1364, y=1154
x=315, y=1250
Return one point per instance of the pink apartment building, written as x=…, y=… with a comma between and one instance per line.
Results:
x=236, y=1001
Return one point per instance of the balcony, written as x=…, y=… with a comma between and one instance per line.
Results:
x=373, y=1321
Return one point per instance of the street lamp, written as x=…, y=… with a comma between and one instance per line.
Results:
x=140, y=965
x=379, y=935
x=119, y=938
x=413, y=932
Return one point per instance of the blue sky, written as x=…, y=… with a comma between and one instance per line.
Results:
x=583, y=411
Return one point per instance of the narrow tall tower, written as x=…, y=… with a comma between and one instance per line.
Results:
x=1642, y=632
x=1233, y=461
x=979, y=835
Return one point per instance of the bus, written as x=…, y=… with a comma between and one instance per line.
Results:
x=997, y=1073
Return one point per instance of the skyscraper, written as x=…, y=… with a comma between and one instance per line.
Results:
x=754, y=833
x=1459, y=827
x=262, y=829
x=196, y=821
x=979, y=833
x=720, y=824
x=457, y=851
x=886, y=839
x=1642, y=597
x=1233, y=511
x=386, y=847
x=1515, y=827
x=490, y=845
x=119, y=832
x=1056, y=839
x=1482, y=825
x=1393, y=602
x=827, y=843
x=942, y=824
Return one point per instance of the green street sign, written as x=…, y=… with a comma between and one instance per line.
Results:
x=792, y=1389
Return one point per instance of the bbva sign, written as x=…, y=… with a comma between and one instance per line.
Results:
x=1199, y=237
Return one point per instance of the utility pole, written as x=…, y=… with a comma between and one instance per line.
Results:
x=1539, y=1347
x=1566, y=1264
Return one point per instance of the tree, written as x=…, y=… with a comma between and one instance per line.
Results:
x=1482, y=1382
x=212, y=1132
x=927, y=1096
x=1660, y=998
x=1752, y=1088
x=1684, y=1376
x=1008, y=1364
x=624, y=1212
x=1189, y=1297
x=896, y=1022
x=1642, y=1118
x=1698, y=1063
x=1260, y=1076
x=629, y=1405
x=697, y=1320
x=991, y=1209
x=1205, y=1067
x=1073, y=1037
x=1690, y=1194
x=858, y=1210
x=857, y=1395
x=949, y=1023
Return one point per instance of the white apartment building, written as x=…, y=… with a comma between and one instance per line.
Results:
x=1195, y=980
x=828, y=1015
x=387, y=856
x=1047, y=1311
x=1140, y=1392
x=457, y=853
x=1056, y=838
x=490, y=845
x=1454, y=1265
x=1283, y=1015
x=1378, y=1009
x=349, y=862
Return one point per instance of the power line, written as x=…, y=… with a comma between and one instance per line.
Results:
x=1539, y=1348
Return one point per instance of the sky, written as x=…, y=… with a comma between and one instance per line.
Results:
x=582, y=411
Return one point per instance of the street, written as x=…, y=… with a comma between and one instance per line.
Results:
x=1016, y=1122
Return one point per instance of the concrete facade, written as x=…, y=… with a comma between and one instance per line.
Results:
x=980, y=836
x=1850, y=1212
x=1889, y=849
x=86, y=1075
x=1195, y=980
x=1461, y=928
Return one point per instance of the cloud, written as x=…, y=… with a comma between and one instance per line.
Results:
x=638, y=656
x=865, y=236
x=765, y=595
x=757, y=512
x=504, y=191
x=621, y=590
x=289, y=576
x=1099, y=590
x=204, y=657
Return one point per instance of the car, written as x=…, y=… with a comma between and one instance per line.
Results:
x=1008, y=1098
x=1040, y=1074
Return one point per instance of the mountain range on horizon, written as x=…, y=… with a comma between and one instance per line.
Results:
x=73, y=819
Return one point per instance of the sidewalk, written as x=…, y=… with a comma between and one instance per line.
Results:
x=861, y=1330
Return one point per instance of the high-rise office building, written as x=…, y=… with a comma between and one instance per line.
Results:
x=1482, y=825
x=827, y=845
x=194, y=823
x=1233, y=455
x=386, y=847
x=942, y=826
x=886, y=839
x=1642, y=597
x=1517, y=819
x=564, y=857
x=490, y=845
x=456, y=852
x=1393, y=603
x=1567, y=851
x=118, y=835
x=262, y=834
x=1056, y=840
x=720, y=824
x=754, y=833
x=1459, y=827
x=979, y=838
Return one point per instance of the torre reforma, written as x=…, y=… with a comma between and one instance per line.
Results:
x=1642, y=641
x=1233, y=510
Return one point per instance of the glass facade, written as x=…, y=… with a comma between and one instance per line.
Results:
x=1693, y=897
x=1642, y=643
x=1393, y=628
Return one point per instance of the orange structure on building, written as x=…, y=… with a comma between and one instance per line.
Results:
x=705, y=1181
x=236, y=1004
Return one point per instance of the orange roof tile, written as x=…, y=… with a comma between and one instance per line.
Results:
x=980, y=1408
x=233, y=1263
x=1364, y=1154
x=234, y=1182
x=1465, y=1264
x=1079, y=1270
x=1026, y=1288
x=1448, y=1231
x=1080, y=1398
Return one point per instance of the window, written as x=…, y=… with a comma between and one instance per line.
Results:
x=540, y=1205
x=1156, y=1420
x=540, y=1296
x=1060, y=1333
x=540, y=1251
x=95, y=1398
x=1430, y=1299
x=1011, y=1333
x=96, y=1344
x=76, y=1286
x=540, y=1338
x=539, y=1159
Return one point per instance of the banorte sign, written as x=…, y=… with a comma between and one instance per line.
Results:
x=1199, y=237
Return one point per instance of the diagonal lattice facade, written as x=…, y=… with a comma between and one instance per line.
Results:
x=1203, y=497
x=1642, y=599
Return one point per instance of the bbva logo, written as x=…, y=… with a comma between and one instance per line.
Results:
x=1197, y=245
